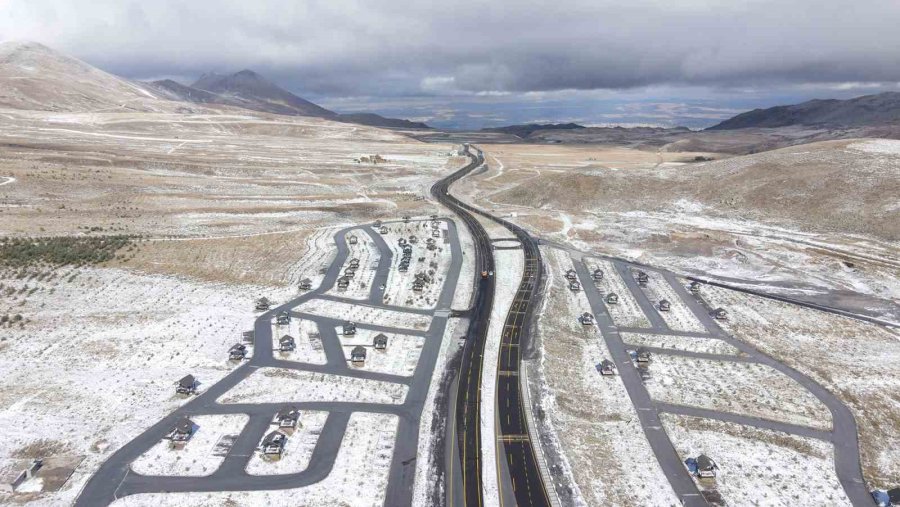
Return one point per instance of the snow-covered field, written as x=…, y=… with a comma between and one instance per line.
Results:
x=279, y=385
x=462, y=296
x=594, y=423
x=363, y=314
x=686, y=343
x=854, y=360
x=399, y=358
x=308, y=343
x=96, y=362
x=741, y=388
x=320, y=251
x=626, y=313
x=198, y=457
x=760, y=467
x=426, y=474
x=435, y=263
x=368, y=255
x=297, y=451
x=679, y=317
x=358, y=479
x=510, y=264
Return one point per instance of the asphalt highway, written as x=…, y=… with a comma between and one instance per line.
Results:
x=467, y=416
x=513, y=437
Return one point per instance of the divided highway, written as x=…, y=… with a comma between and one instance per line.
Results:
x=512, y=430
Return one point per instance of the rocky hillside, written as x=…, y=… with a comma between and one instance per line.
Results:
x=868, y=110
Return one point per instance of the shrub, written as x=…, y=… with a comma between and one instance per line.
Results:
x=59, y=251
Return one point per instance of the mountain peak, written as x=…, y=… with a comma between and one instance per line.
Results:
x=251, y=87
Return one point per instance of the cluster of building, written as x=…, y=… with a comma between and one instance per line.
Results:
x=349, y=273
x=358, y=353
x=572, y=279
x=407, y=249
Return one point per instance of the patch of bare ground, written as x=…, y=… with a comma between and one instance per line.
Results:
x=268, y=259
x=815, y=185
x=759, y=467
x=785, y=440
x=817, y=220
x=854, y=360
x=41, y=448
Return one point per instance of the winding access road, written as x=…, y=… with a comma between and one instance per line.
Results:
x=115, y=478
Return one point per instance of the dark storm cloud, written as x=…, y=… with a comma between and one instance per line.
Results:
x=403, y=48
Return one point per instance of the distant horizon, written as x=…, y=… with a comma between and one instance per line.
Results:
x=693, y=108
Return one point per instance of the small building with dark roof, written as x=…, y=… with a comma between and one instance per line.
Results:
x=248, y=336
x=358, y=355
x=642, y=355
x=612, y=298
x=287, y=417
x=587, y=319
x=273, y=444
x=287, y=343
x=664, y=305
x=349, y=328
x=642, y=278
x=182, y=431
x=720, y=314
x=263, y=304
x=598, y=274
x=574, y=286
x=283, y=318
x=305, y=284
x=894, y=496
x=571, y=274
x=351, y=239
x=694, y=287
x=343, y=282
x=237, y=352
x=706, y=467
x=607, y=367
x=187, y=385
x=380, y=341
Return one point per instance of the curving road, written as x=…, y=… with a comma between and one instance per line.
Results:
x=115, y=479
x=520, y=465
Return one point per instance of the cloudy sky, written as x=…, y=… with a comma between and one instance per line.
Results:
x=471, y=63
